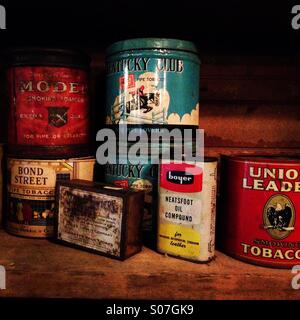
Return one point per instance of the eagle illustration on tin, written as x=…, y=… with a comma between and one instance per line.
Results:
x=58, y=116
x=279, y=216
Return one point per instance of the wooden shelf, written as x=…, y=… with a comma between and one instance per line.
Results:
x=41, y=269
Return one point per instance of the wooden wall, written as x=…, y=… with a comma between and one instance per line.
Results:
x=250, y=105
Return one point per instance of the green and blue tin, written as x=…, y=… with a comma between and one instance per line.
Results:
x=152, y=81
x=139, y=177
x=142, y=175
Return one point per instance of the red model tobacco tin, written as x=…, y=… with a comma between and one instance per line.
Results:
x=49, y=103
x=260, y=202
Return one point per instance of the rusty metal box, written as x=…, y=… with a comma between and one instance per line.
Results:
x=100, y=217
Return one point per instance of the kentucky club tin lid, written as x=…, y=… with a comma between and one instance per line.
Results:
x=151, y=43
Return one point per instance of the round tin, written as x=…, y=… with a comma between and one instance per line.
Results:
x=187, y=209
x=31, y=192
x=152, y=81
x=48, y=103
x=139, y=177
x=143, y=175
x=259, y=205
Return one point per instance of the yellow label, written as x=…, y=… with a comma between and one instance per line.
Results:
x=178, y=240
x=36, y=179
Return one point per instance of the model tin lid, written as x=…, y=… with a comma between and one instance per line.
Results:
x=151, y=43
x=35, y=56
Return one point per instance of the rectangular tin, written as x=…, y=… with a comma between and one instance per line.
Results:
x=187, y=209
x=100, y=217
x=31, y=192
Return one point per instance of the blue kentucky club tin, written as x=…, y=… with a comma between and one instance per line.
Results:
x=152, y=81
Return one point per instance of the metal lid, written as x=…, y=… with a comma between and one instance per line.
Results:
x=151, y=43
x=46, y=56
x=263, y=159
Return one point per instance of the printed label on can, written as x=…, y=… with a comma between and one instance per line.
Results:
x=187, y=197
x=91, y=220
x=140, y=177
x=143, y=89
x=48, y=106
x=263, y=214
x=31, y=192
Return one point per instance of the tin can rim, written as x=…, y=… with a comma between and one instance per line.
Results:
x=263, y=158
x=52, y=56
x=74, y=159
x=152, y=43
x=205, y=160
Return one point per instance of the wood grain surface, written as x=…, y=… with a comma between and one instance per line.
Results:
x=41, y=269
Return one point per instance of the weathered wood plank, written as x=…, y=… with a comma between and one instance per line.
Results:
x=260, y=81
x=251, y=125
x=215, y=151
x=39, y=268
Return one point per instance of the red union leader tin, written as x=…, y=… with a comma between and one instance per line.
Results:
x=49, y=103
x=260, y=200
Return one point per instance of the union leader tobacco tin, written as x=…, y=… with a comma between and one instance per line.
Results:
x=259, y=207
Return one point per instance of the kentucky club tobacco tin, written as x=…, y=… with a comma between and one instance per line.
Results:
x=31, y=192
x=152, y=81
x=259, y=207
x=187, y=209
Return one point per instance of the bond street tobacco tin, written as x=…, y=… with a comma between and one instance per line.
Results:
x=31, y=192
x=48, y=102
x=187, y=209
x=100, y=217
x=152, y=81
x=259, y=206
